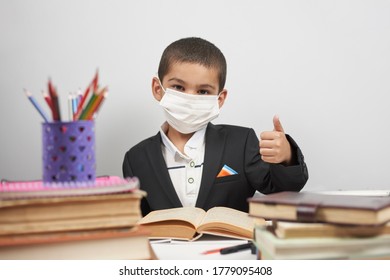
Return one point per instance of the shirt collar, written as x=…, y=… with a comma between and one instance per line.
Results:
x=192, y=146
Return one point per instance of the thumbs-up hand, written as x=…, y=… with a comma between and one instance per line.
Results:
x=274, y=146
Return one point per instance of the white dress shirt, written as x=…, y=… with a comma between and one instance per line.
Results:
x=185, y=169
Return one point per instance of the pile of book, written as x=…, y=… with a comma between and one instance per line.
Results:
x=322, y=226
x=99, y=221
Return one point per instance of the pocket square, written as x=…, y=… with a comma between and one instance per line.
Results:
x=226, y=171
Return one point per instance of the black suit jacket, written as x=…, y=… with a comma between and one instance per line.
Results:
x=237, y=147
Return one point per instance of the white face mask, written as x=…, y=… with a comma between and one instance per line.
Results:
x=188, y=113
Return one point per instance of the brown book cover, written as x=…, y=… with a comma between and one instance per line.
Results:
x=305, y=230
x=69, y=213
x=116, y=243
x=316, y=207
x=320, y=248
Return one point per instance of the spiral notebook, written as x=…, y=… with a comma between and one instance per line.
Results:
x=35, y=189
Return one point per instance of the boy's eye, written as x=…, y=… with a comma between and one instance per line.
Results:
x=203, y=91
x=178, y=88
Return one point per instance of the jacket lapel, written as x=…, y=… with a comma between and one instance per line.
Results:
x=160, y=171
x=215, y=144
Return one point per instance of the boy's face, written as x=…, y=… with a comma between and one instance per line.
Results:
x=191, y=78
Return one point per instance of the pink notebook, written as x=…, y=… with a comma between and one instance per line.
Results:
x=34, y=189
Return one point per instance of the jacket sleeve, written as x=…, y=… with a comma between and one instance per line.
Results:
x=126, y=168
x=128, y=172
x=269, y=178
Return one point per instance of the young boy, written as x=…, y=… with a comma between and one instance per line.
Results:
x=192, y=162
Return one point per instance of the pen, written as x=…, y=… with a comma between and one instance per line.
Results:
x=229, y=250
x=213, y=251
x=235, y=249
x=36, y=105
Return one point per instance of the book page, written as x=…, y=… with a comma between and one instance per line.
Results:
x=191, y=215
x=223, y=219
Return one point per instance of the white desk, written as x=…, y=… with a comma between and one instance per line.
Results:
x=192, y=250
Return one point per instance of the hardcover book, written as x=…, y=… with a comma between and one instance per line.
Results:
x=305, y=248
x=104, y=244
x=316, y=207
x=299, y=230
x=70, y=212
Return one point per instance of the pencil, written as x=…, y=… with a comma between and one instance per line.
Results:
x=93, y=86
x=95, y=81
x=36, y=105
x=48, y=100
x=70, y=106
x=98, y=105
x=74, y=105
x=88, y=106
x=55, y=102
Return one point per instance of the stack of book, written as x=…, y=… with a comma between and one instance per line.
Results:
x=39, y=221
x=322, y=226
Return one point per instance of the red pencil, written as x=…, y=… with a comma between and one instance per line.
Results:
x=54, y=102
x=47, y=99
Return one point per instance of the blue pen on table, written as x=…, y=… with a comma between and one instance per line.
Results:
x=36, y=105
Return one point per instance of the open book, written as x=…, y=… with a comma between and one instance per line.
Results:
x=189, y=223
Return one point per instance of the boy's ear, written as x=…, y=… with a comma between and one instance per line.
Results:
x=222, y=97
x=156, y=89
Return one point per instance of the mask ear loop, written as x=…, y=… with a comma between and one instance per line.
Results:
x=159, y=81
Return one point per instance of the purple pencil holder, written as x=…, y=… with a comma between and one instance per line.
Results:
x=69, y=152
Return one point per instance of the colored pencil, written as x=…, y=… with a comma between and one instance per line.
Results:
x=36, y=105
x=74, y=105
x=93, y=86
x=48, y=100
x=88, y=106
x=55, y=102
x=97, y=104
x=70, y=106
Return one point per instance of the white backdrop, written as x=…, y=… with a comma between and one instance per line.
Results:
x=323, y=66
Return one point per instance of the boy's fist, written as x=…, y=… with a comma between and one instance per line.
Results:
x=274, y=146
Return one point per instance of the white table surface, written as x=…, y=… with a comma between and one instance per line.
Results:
x=192, y=250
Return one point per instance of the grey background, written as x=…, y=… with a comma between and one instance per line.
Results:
x=322, y=66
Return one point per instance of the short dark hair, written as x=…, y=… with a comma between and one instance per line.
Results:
x=194, y=50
